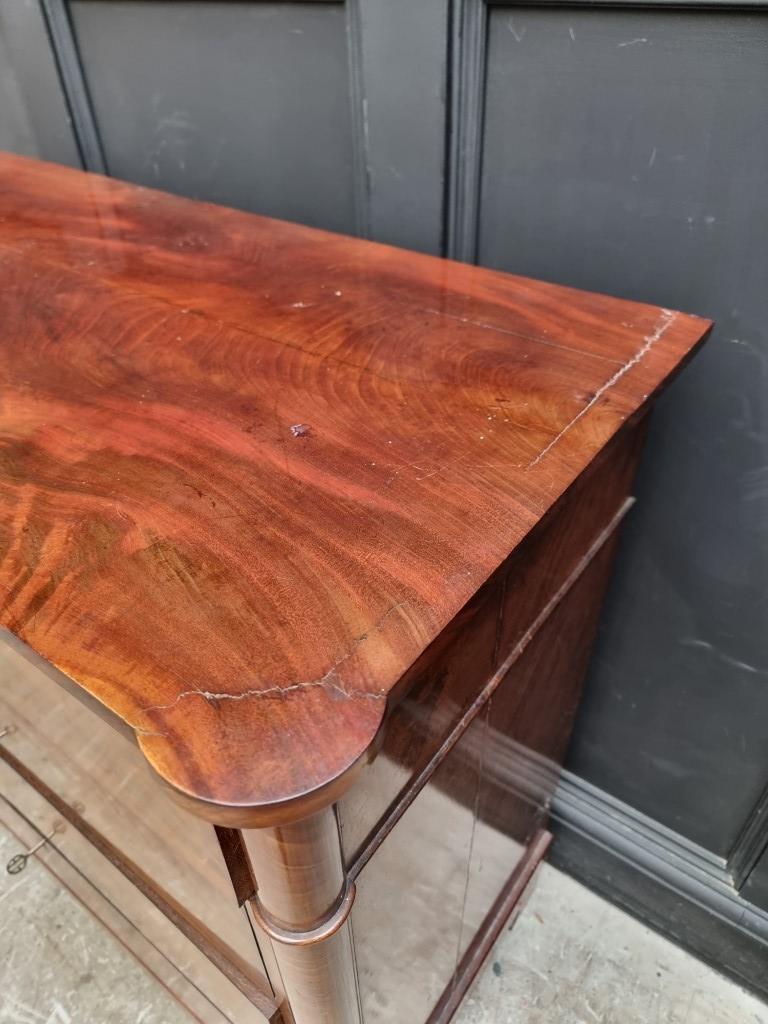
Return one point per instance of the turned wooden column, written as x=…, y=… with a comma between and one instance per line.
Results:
x=302, y=903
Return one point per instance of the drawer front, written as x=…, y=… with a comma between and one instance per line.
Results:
x=446, y=679
x=426, y=891
x=80, y=764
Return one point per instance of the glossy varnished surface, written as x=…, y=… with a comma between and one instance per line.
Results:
x=249, y=470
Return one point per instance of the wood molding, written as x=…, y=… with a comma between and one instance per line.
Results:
x=751, y=842
x=73, y=84
x=465, y=127
x=688, y=870
x=359, y=113
x=133, y=921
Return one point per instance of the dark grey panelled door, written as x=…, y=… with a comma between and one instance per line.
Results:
x=286, y=108
x=611, y=146
x=624, y=151
x=198, y=98
x=33, y=110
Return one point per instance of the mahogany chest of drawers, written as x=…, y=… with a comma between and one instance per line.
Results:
x=322, y=527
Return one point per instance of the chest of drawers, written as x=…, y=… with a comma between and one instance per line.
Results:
x=322, y=527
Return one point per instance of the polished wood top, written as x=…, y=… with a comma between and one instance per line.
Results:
x=249, y=470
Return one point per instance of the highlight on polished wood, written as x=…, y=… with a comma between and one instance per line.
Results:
x=324, y=527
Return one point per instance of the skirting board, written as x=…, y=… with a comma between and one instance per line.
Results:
x=672, y=885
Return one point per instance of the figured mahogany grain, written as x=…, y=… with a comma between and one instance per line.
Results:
x=249, y=470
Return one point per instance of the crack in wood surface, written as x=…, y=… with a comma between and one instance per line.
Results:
x=325, y=681
x=267, y=691
x=666, y=320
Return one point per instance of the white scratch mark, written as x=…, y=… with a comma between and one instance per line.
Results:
x=411, y=465
x=301, y=305
x=369, y=169
x=692, y=641
x=572, y=34
x=634, y=42
x=652, y=159
x=668, y=317
x=517, y=33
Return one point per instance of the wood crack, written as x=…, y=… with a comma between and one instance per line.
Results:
x=326, y=681
x=267, y=691
x=668, y=317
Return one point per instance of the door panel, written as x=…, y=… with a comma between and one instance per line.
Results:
x=282, y=107
x=33, y=110
x=403, y=67
x=624, y=151
x=243, y=104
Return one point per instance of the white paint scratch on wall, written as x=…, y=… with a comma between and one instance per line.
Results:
x=518, y=33
x=693, y=641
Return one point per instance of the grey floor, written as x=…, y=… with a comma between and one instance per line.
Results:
x=59, y=965
x=570, y=959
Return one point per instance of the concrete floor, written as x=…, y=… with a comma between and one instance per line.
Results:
x=59, y=965
x=570, y=959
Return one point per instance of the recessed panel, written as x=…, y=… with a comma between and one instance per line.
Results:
x=246, y=104
x=612, y=134
x=625, y=151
